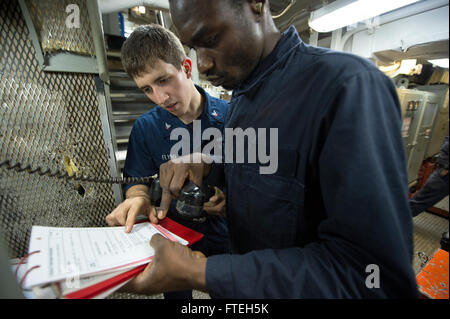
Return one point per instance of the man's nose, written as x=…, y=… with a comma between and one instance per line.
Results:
x=204, y=61
x=159, y=96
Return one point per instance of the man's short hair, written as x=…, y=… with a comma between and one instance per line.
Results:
x=146, y=45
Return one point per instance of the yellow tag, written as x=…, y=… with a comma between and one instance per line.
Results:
x=70, y=166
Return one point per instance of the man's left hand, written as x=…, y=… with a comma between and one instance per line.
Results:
x=216, y=204
x=174, y=268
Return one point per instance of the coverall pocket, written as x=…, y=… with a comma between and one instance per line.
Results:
x=273, y=206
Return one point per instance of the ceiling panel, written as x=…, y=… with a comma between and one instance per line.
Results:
x=428, y=51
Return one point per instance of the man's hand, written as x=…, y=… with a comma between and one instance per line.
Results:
x=444, y=172
x=217, y=204
x=174, y=268
x=173, y=174
x=137, y=202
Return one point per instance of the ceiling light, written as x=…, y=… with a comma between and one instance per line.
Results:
x=142, y=9
x=443, y=63
x=342, y=13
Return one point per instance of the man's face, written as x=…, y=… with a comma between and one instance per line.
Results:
x=228, y=42
x=166, y=86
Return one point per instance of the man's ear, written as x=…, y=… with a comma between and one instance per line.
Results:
x=187, y=67
x=257, y=6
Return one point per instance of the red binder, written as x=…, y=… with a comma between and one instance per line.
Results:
x=95, y=290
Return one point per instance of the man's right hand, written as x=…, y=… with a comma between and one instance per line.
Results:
x=173, y=174
x=137, y=202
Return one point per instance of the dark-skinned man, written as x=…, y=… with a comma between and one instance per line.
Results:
x=333, y=221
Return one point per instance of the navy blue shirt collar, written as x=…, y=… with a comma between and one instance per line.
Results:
x=211, y=112
x=288, y=41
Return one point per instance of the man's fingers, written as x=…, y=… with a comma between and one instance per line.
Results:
x=112, y=219
x=218, y=209
x=131, y=218
x=173, y=175
x=166, y=199
x=152, y=215
x=157, y=241
x=196, y=177
x=165, y=175
x=198, y=254
x=165, y=179
x=121, y=217
x=136, y=284
x=214, y=199
x=177, y=182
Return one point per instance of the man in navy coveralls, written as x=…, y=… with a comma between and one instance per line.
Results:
x=436, y=187
x=333, y=221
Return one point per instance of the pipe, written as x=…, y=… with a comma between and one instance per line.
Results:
x=398, y=14
x=161, y=19
x=109, y=6
x=285, y=10
x=299, y=17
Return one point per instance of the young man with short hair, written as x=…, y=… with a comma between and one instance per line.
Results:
x=154, y=57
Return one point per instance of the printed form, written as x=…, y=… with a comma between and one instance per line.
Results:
x=76, y=252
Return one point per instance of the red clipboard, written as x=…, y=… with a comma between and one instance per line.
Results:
x=95, y=290
x=191, y=236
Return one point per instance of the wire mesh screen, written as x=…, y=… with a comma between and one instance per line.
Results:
x=48, y=120
x=50, y=17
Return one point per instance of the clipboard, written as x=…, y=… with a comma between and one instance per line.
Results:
x=125, y=273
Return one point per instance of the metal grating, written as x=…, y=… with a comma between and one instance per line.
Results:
x=428, y=229
x=49, y=18
x=46, y=120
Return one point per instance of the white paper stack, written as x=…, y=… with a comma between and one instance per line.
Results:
x=87, y=262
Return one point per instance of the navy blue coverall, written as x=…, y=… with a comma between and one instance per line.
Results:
x=150, y=145
x=338, y=202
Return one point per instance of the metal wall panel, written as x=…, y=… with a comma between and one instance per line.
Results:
x=420, y=113
x=440, y=129
x=49, y=120
x=423, y=135
x=411, y=102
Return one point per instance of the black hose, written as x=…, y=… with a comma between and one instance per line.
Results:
x=18, y=167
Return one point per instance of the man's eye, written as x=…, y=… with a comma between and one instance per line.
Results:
x=211, y=41
x=163, y=81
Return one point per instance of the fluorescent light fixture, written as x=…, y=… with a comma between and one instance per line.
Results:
x=443, y=63
x=342, y=13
